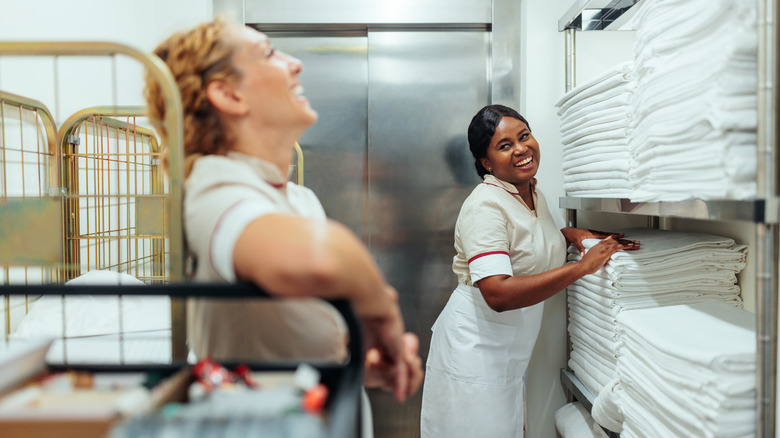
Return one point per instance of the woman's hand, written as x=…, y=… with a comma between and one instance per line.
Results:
x=575, y=236
x=599, y=254
x=403, y=378
x=392, y=360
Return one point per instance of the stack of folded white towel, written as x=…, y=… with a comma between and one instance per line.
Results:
x=572, y=420
x=688, y=370
x=594, y=133
x=695, y=107
x=671, y=268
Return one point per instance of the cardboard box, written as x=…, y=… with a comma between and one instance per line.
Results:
x=34, y=403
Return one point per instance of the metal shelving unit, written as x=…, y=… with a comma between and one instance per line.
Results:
x=763, y=212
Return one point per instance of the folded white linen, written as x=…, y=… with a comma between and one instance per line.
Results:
x=588, y=380
x=593, y=147
x=610, y=335
x=611, y=193
x=606, y=409
x=606, y=363
x=619, y=295
x=604, y=300
x=663, y=242
x=585, y=340
x=617, y=74
x=572, y=420
x=640, y=357
x=595, y=186
x=724, y=339
x=613, y=161
x=613, y=134
x=607, y=175
x=585, y=333
x=601, y=319
x=592, y=369
x=587, y=130
x=685, y=402
x=616, y=97
x=588, y=118
x=592, y=152
x=617, y=106
x=694, y=82
x=95, y=315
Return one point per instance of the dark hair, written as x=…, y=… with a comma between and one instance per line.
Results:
x=483, y=127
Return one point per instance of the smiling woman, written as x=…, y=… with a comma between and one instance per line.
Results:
x=244, y=221
x=509, y=259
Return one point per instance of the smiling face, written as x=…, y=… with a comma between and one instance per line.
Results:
x=513, y=153
x=269, y=82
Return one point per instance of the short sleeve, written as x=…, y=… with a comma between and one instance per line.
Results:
x=484, y=239
x=214, y=219
x=230, y=226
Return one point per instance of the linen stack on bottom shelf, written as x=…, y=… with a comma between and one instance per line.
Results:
x=594, y=133
x=688, y=370
x=695, y=105
x=671, y=268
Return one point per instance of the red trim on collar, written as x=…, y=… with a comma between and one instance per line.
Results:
x=487, y=254
x=501, y=187
x=277, y=186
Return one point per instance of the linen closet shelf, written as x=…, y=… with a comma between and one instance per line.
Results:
x=763, y=211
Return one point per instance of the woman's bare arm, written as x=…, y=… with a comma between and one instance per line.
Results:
x=504, y=292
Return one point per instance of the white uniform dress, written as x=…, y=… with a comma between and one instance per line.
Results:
x=223, y=194
x=478, y=357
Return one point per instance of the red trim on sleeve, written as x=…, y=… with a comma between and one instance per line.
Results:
x=487, y=254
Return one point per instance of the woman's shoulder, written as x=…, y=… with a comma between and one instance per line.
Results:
x=482, y=196
x=217, y=170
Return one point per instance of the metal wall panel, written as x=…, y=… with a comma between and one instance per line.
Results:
x=335, y=80
x=367, y=11
x=424, y=89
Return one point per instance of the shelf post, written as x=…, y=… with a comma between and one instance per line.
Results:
x=766, y=251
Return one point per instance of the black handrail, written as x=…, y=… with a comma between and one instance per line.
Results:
x=344, y=380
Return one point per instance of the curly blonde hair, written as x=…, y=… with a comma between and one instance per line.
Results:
x=195, y=57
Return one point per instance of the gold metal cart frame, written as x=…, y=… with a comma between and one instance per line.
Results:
x=174, y=151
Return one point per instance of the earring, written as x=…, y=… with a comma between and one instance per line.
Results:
x=490, y=169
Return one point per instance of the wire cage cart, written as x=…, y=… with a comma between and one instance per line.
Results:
x=92, y=196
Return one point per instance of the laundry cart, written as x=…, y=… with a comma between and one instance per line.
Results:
x=91, y=257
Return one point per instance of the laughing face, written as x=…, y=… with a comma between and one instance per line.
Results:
x=270, y=82
x=513, y=153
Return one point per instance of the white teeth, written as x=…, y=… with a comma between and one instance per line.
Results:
x=524, y=162
x=297, y=90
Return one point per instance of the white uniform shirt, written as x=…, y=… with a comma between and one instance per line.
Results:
x=496, y=233
x=223, y=194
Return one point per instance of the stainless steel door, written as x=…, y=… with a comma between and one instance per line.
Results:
x=424, y=88
x=389, y=158
x=335, y=80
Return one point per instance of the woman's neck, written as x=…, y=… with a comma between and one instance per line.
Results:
x=272, y=145
x=526, y=193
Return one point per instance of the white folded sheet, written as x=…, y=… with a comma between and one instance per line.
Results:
x=572, y=420
x=724, y=338
x=606, y=409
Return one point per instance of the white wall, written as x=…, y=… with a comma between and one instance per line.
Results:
x=85, y=82
x=543, y=82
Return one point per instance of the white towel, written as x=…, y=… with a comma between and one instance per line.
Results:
x=606, y=409
x=572, y=420
x=724, y=338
